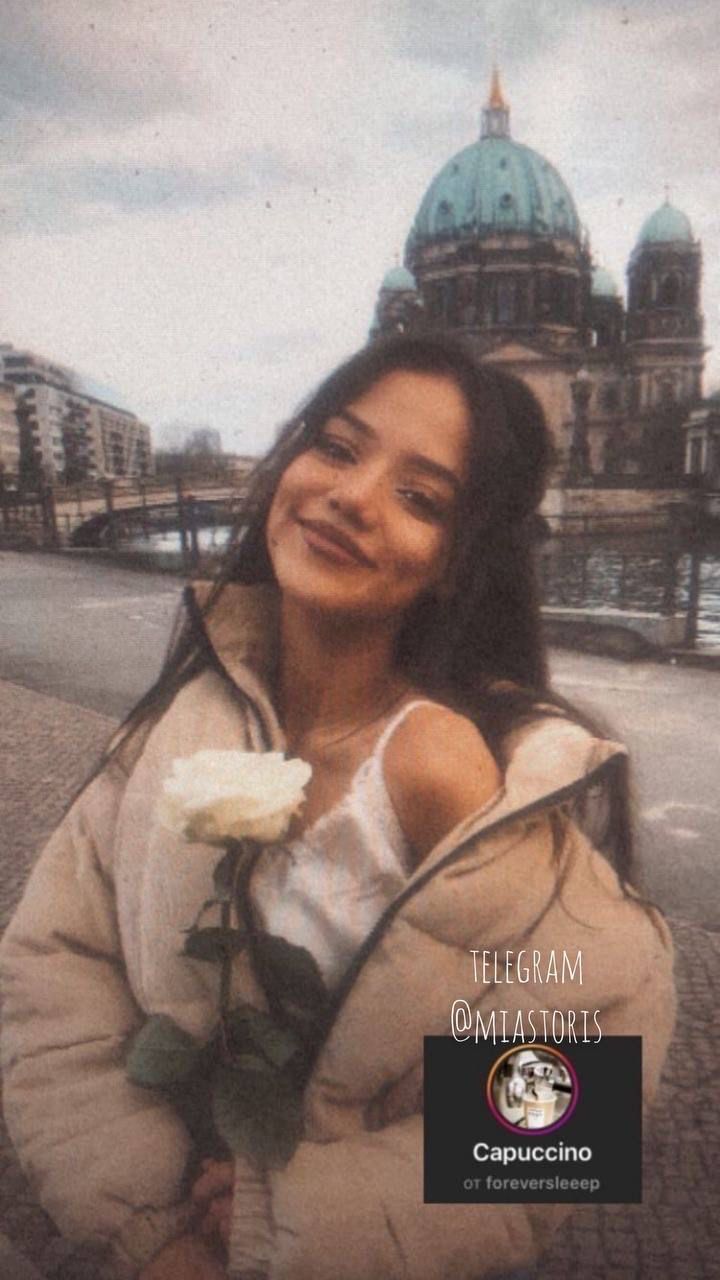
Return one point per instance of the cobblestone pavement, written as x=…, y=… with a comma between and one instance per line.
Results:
x=48, y=746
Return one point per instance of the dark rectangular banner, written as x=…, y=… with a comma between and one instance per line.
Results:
x=533, y=1122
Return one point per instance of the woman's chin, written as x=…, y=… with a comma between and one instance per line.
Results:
x=326, y=599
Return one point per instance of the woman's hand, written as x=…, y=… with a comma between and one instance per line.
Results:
x=185, y=1258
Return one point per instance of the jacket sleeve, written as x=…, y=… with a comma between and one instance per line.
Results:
x=105, y=1158
x=354, y=1208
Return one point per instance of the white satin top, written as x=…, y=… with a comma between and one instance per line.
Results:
x=327, y=888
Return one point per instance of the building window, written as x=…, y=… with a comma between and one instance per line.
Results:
x=668, y=395
x=506, y=213
x=522, y=301
x=671, y=287
x=610, y=398
x=445, y=216
x=544, y=295
x=505, y=302
x=467, y=312
x=566, y=295
x=449, y=302
x=562, y=218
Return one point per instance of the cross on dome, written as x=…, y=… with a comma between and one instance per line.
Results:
x=496, y=115
x=496, y=98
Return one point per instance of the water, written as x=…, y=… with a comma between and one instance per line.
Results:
x=647, y=572
x=168, y=543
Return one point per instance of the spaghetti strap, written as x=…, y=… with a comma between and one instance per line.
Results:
x=396, y=721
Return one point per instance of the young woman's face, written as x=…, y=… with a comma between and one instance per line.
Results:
x=363, y=522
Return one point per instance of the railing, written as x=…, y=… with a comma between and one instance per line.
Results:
x=666, y=517
x=666, y=573
x=603, y=480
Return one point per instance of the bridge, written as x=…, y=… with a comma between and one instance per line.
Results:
x=106, y=512
x=162, y=514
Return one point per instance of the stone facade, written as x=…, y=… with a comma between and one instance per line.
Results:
x=497, y=255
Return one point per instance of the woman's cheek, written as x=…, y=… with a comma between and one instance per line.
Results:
x=423, y=560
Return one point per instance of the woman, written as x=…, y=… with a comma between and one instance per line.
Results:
x=376, y=618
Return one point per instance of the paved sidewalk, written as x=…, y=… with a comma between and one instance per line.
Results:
x=48, y=746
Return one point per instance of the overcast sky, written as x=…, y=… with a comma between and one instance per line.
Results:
x=200, y=197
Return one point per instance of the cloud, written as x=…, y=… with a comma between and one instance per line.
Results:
x=83, y=63
x=64, y=195
x=467, y=36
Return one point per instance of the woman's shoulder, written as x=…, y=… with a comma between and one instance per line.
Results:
x=438, y=770
x=432, y=730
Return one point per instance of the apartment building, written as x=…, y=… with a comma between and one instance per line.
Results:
x=9, y=432
x=69, y=427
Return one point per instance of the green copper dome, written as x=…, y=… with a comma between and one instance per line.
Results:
x=603, y=285
x=665, y=225
x=496, y=185
x=399, y=280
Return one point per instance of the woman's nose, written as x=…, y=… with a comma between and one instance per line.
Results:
x=356, y=493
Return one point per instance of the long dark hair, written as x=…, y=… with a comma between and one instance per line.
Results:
x=480, y=649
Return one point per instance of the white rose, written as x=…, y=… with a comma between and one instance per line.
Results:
x=215, y=796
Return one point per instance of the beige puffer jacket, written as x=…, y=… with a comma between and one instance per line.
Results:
x=94, y=948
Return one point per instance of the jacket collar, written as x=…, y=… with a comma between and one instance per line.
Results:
x=546, y=759
x=240, y=627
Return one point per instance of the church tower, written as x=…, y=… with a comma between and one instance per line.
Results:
x=665, y=351
x=664, y=321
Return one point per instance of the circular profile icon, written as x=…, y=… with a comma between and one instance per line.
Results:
x=532, y=1088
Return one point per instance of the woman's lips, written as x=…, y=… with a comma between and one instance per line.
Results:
x=333, y=543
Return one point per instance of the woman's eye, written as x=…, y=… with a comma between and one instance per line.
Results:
x=335, y=448
x=426, y=504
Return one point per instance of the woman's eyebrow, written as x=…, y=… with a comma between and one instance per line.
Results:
x=423, y=463
x=418, y=460
x=353, y=421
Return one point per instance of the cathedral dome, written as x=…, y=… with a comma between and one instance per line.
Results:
x=603, y=284
x=665, y=225
x=399, y=280
x=496, y=185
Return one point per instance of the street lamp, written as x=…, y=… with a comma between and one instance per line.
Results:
x=579, y=460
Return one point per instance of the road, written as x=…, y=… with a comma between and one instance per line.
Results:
x=85, y=632
x=94, y=635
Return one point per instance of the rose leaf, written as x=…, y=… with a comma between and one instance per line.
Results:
x=213, y=943
x=162, y=1054
x=290, y=973
x=207, y=904
x=259, y=1115
x=251, y=1029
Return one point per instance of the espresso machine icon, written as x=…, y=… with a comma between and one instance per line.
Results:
x=533, y=1089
